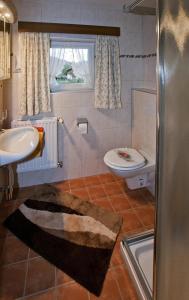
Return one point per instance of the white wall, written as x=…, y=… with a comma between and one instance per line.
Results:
x=144, y=104
x=83, y=155
x=149, y=39
x=146, y=77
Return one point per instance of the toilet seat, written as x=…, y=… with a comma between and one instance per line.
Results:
x=113, y=159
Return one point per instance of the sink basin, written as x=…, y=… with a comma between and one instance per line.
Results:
x=17, y=143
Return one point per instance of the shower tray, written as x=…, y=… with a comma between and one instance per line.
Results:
x=138, y=253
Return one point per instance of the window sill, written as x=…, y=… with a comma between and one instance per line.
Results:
x=73, y=91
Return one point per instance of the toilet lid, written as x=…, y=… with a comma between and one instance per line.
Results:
x=135, y=161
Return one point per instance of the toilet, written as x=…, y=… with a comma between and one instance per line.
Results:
x=137, y=167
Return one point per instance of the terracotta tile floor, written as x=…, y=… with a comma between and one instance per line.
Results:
x=26, y=275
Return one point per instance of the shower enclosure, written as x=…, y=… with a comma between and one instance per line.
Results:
x=138, y=252
x=159, y=263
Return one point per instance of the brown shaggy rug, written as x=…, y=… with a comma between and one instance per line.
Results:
x=76, y=236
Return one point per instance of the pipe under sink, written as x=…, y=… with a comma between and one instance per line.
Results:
x=138, y=252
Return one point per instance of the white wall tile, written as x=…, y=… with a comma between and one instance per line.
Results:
x=149, y=46
x=27, y=10
x=133, y=23
x=144, y=122
x=134, y=69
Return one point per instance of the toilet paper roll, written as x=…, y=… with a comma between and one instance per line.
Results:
x=83, y=128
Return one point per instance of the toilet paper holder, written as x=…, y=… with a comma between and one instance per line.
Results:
x=82, y=121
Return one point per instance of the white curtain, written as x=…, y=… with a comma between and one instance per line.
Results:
x=7, y=54
x=107, y=78
x=62, y=53
x=4, y=55
x=35, y=87
x=56, y=64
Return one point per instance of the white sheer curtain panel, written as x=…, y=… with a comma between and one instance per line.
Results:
x=2, y=51
x=81, y=64
x=108, y=74
x=82, y=69
x=35, y=87
x=56, y=64
x=4, y=55
x=63, y=53
x=7, y=54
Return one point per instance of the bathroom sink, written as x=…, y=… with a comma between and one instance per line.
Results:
x=17, y=143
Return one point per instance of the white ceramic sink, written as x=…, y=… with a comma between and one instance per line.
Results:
x=17, y=143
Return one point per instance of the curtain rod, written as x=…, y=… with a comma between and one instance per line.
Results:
x=68, y=28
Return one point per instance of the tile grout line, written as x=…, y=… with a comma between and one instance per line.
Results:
x=35, y=294
x=13, y=263
x=27, y=267
x=22, y=261
x=69, y=283
x=91, y=196
x=135, y=206
x=139, y=218
x=119, y=289
x=83, y=188
x=108, y=197
x=56, y=294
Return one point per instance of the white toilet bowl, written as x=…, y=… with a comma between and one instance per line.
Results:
x=138, y=170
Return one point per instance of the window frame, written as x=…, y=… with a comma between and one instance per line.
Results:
x=76, y=43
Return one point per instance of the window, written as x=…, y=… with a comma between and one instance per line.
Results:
x=71, y=65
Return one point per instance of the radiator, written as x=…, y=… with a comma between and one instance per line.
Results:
x=49, y=158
